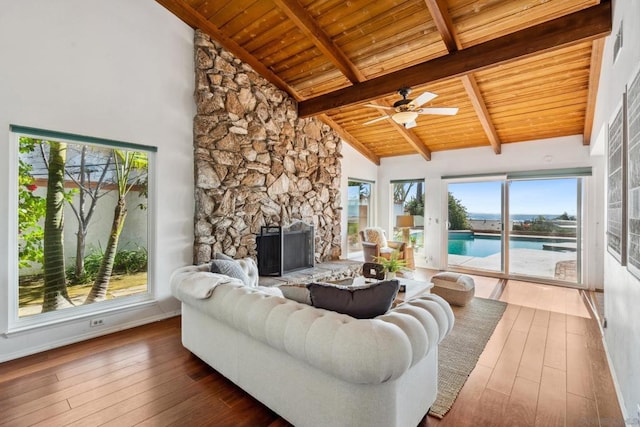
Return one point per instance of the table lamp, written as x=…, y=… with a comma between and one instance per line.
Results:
x=405, y=223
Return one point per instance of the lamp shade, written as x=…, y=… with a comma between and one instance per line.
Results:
x=404, y=221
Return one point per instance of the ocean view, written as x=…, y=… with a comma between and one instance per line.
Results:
x=516, y=217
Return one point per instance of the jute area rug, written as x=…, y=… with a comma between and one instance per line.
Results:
x=459, y=352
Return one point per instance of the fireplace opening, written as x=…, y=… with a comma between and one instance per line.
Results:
x=282, y=250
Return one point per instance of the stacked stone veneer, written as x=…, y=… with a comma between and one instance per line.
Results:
x=256, y=162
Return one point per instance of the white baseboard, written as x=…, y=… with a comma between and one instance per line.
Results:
x=87, y=336
x=616, y=386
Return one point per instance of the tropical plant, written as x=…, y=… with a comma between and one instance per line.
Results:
x=393, y=263
x=415, y=206
x=126, y=162
x=31, y=209
x=458, y=216
x=55, y=286
x=89, y=192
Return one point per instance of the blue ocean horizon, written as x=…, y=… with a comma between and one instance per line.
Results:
x=516, y=217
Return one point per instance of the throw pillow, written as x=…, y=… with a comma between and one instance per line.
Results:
x=376, y=235
x=362, y=302
x=220, y=255
x=231, y=269
x=299, y=293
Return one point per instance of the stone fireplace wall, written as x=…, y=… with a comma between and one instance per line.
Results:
x=256, y=162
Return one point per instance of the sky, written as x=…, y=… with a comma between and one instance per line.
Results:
x=541, y=196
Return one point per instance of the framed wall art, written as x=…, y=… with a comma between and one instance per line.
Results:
x=633, y=175
x=616, y=194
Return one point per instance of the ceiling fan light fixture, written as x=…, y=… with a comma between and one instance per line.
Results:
x=404, y=117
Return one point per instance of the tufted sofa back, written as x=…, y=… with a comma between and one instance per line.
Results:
x=361, y=351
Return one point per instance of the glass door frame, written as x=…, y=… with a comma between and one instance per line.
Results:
x=371, y=214
x=505, y=273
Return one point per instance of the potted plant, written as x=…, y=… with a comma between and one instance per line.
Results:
x=392, y=265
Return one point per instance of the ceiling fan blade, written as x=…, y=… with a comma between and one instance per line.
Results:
x=377, y=120
x=410, y=125
x=423, y=98
x=381, y=107
x=440, y=111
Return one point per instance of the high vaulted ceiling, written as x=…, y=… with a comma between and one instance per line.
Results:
x=518, y=70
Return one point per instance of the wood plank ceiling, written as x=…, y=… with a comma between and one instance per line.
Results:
x=518, y=70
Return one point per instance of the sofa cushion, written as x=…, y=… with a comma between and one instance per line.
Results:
x=231, y=269
x=360, y=302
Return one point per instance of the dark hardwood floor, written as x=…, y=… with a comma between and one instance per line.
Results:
x=540, y=368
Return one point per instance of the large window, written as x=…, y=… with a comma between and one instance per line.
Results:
x=359, y=213
x=407, y=216
x=520, y=225
x=82, y=226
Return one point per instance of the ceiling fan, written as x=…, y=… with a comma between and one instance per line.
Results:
x=407, y=110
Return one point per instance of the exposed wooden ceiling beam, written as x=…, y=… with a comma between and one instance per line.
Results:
x=310, y=27
x=471, y=86
x=413, y=140
x=305, y=22
x=587, y=24
x=194, y=19
x=357, y=145
x=444, y=24
x=597, y=48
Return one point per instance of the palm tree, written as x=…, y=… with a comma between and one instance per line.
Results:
x=125, y=163
x=55, y=286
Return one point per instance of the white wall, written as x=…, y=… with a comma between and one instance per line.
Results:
x=622, y=290
x=116, y=69
x=555, y=153
x=354, y=165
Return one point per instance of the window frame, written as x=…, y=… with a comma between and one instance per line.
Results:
x=15, y=323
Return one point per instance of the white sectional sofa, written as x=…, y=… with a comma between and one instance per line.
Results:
x=312, y=366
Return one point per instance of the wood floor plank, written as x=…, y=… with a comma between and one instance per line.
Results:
x=504, y=373
x=579, y=381
x=604, y=390
x=62, y=355
x=524, y=319
x=491, y=409
x=582, y=411
x=541, y=318
x=521, y=409
x=555, y=352
x=552, y=398
x=493, y=349
x=533, y=354
x=461, y=413
x=72, y=387
x=42, y=414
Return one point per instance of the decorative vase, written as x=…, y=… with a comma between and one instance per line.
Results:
x=390, y=275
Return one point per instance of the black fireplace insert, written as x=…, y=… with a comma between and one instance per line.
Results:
x=282, y=250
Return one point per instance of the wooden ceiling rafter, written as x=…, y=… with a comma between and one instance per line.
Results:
x=308, y=25
x=597, y=50
x=587, y=24
x=444, y=23
x=195, y=20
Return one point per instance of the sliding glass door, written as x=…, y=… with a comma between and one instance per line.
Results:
x=359, y=214
x=544, y=220
x=517, y=226
x=475, y=231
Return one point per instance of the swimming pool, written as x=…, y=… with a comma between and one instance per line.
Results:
x=482, y=246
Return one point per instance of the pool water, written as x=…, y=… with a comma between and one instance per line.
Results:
x=482, y=246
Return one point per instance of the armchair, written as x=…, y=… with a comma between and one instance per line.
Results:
x=375, y=244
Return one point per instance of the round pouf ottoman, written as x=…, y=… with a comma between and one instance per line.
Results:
x=456, y=289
